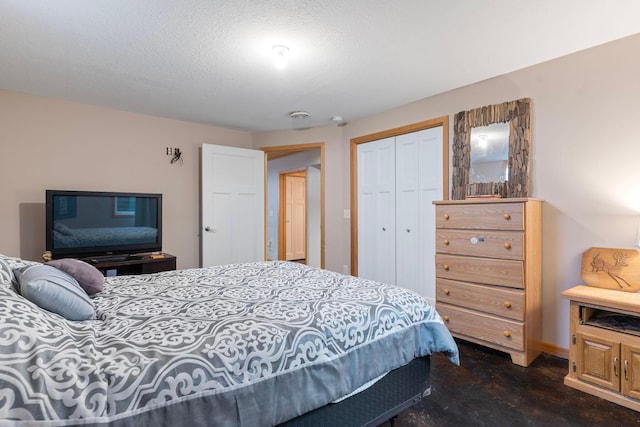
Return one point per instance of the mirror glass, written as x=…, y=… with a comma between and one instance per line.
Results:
x=489, y=157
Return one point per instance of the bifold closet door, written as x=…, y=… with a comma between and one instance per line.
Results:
x=408, y=211
x=418, y=184
x=377, y=210
x=398, y=179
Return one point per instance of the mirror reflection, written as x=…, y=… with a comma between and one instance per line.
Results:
x=489, y=157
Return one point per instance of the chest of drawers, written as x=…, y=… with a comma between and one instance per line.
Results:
x=488, y=273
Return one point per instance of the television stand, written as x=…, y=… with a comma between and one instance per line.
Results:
x=120, y=265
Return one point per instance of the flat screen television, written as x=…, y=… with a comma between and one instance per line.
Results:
x=82, y=224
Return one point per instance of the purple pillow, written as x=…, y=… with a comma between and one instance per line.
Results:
x=89, y=277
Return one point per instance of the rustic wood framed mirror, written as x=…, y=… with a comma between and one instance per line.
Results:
x=514, y=182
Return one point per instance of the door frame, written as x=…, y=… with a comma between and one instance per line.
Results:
x=415, y=127
x=277, y=151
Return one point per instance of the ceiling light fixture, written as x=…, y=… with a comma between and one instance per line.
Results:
x=299, y=114
x=482, y=140
x=280, y=53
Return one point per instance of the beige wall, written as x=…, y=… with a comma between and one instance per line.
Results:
x=586, y=146
x=52, y=144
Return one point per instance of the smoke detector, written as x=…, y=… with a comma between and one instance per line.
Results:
x=299, y=114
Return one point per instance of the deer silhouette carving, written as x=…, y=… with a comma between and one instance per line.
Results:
x=613, y=270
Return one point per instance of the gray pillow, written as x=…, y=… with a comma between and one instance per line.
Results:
x=55, y=291
x=89, y=277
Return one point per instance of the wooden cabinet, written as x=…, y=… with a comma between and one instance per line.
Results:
x=488, y=273
x=604, y=350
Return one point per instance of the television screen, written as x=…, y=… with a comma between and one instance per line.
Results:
x=83, y=223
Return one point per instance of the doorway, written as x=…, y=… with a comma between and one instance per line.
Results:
x=310, y=158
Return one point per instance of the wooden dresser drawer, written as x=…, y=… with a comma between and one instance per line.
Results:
x=480, y=270
x=495, y=216
x=481, y=243
x=491, y=299
x=506, y=333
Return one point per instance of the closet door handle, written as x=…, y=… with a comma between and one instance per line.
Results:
x=408, y=230
x=384, y=229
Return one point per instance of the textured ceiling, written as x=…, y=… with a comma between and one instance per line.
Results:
x=209, y=61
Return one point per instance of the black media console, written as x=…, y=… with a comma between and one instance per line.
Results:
x=120, y=265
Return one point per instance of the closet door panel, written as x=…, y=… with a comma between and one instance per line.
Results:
x=408, y=212
x=385, y=245
x=376, y=210
x=431, y=188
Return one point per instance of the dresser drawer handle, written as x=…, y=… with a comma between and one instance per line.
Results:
x=506, y=304
x=507, y=334
x=507, y=245
x=446, y=216
x=446, y=267
x=446, y=242
x=447, y=292
x=506, y=216
x=445, y=318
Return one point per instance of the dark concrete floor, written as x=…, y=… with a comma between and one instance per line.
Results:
x=488, y=390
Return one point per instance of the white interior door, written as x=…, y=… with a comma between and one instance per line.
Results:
x=376, y=210
x=408, y=226
x=431, y=187
x=232, y=205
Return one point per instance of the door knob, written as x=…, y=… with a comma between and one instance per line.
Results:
x=209, y=229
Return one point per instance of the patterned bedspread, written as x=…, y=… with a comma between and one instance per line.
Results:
x=248, y=344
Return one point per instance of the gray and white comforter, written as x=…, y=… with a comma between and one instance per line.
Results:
x=248, y=344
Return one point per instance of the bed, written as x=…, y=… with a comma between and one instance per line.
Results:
x=254, y=344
